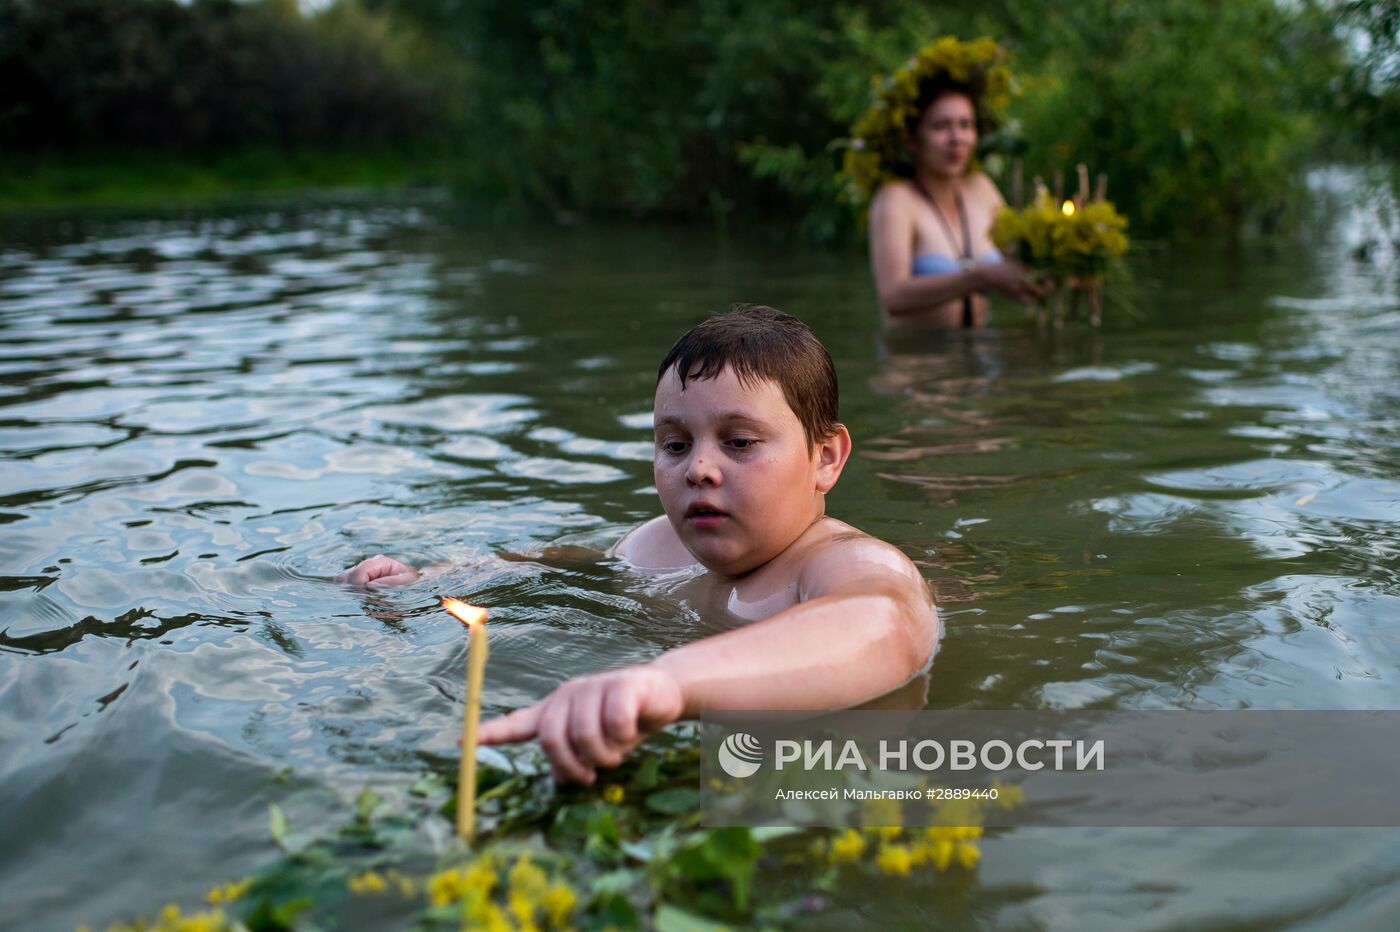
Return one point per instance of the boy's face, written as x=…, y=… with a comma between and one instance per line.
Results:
x=737, y=479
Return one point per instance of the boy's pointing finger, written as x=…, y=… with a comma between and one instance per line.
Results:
x=519, y=725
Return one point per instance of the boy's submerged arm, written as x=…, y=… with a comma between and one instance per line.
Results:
x=653, y=545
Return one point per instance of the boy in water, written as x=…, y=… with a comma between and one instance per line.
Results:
x=747, y=446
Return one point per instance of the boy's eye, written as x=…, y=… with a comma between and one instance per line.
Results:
x=674, y=446
x=742, y=443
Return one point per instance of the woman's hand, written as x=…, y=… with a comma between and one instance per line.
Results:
x=1011, y=279
x=593, y=721
x=379, y=571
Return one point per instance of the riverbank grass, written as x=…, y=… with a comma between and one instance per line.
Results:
x=143, y=178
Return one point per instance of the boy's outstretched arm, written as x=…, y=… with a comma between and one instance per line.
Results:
x=380, y=571
x=866, y=625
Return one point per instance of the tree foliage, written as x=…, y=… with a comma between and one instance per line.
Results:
x=1370, y=94
x=159, y=74
x=1201, y=113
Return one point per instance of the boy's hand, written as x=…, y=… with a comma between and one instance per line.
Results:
x=592, y=721
x=379, y=571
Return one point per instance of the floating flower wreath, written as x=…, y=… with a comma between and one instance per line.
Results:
x=879, y=146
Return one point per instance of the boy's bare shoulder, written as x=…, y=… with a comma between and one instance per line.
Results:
x=844, y=557
x=653, y=545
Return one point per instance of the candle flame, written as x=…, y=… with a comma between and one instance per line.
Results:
x=1068, y=208
x=467, y=614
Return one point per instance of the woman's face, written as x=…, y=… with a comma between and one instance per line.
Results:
x=946, y=135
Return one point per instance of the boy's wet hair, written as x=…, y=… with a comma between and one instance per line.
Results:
x=761, y=343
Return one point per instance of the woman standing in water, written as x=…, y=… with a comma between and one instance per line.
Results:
x=931, y=215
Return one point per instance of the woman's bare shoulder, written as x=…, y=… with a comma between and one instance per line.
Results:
x=981, y=184
x=894, y=202
x=896, y=190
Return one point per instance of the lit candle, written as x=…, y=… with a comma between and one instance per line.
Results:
x=475, y=620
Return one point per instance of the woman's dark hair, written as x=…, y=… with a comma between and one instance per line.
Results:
x=763, y=344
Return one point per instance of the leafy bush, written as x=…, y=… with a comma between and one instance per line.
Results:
x=159, y=74
x=1201, y=114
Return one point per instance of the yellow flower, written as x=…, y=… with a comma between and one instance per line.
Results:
x=897, y=860
x=526, y=878
x=227, y=893
x=1064, y=245
x=368, y=882
x=847, y=847
x=558, y=904
x=479, y=912
x=941, y=845
x=882, y=813
x=521, y=907
x=454, y=883
x=446, y=886
x=613, y=794
x=172, y=920
x=405, y=885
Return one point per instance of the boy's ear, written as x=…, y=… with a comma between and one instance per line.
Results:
x=832, y=453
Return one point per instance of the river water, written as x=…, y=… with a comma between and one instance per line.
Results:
x=205, y=416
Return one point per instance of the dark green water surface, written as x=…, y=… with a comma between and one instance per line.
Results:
x=203, y=418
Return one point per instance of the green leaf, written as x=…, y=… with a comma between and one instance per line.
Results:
x=447, y=913
x=734, y=852
x=613, y=911
x=648, y=775
x=277, y=825
x=429, y=784
x=616, y=882
x=281, y=917
x=732, y=845
x=603, y=837
x=365, y=804
x=675, y=801
x=639, y=851
x=670, y=918
x=572, y=822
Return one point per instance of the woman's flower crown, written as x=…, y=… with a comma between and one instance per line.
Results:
x=879, y=145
